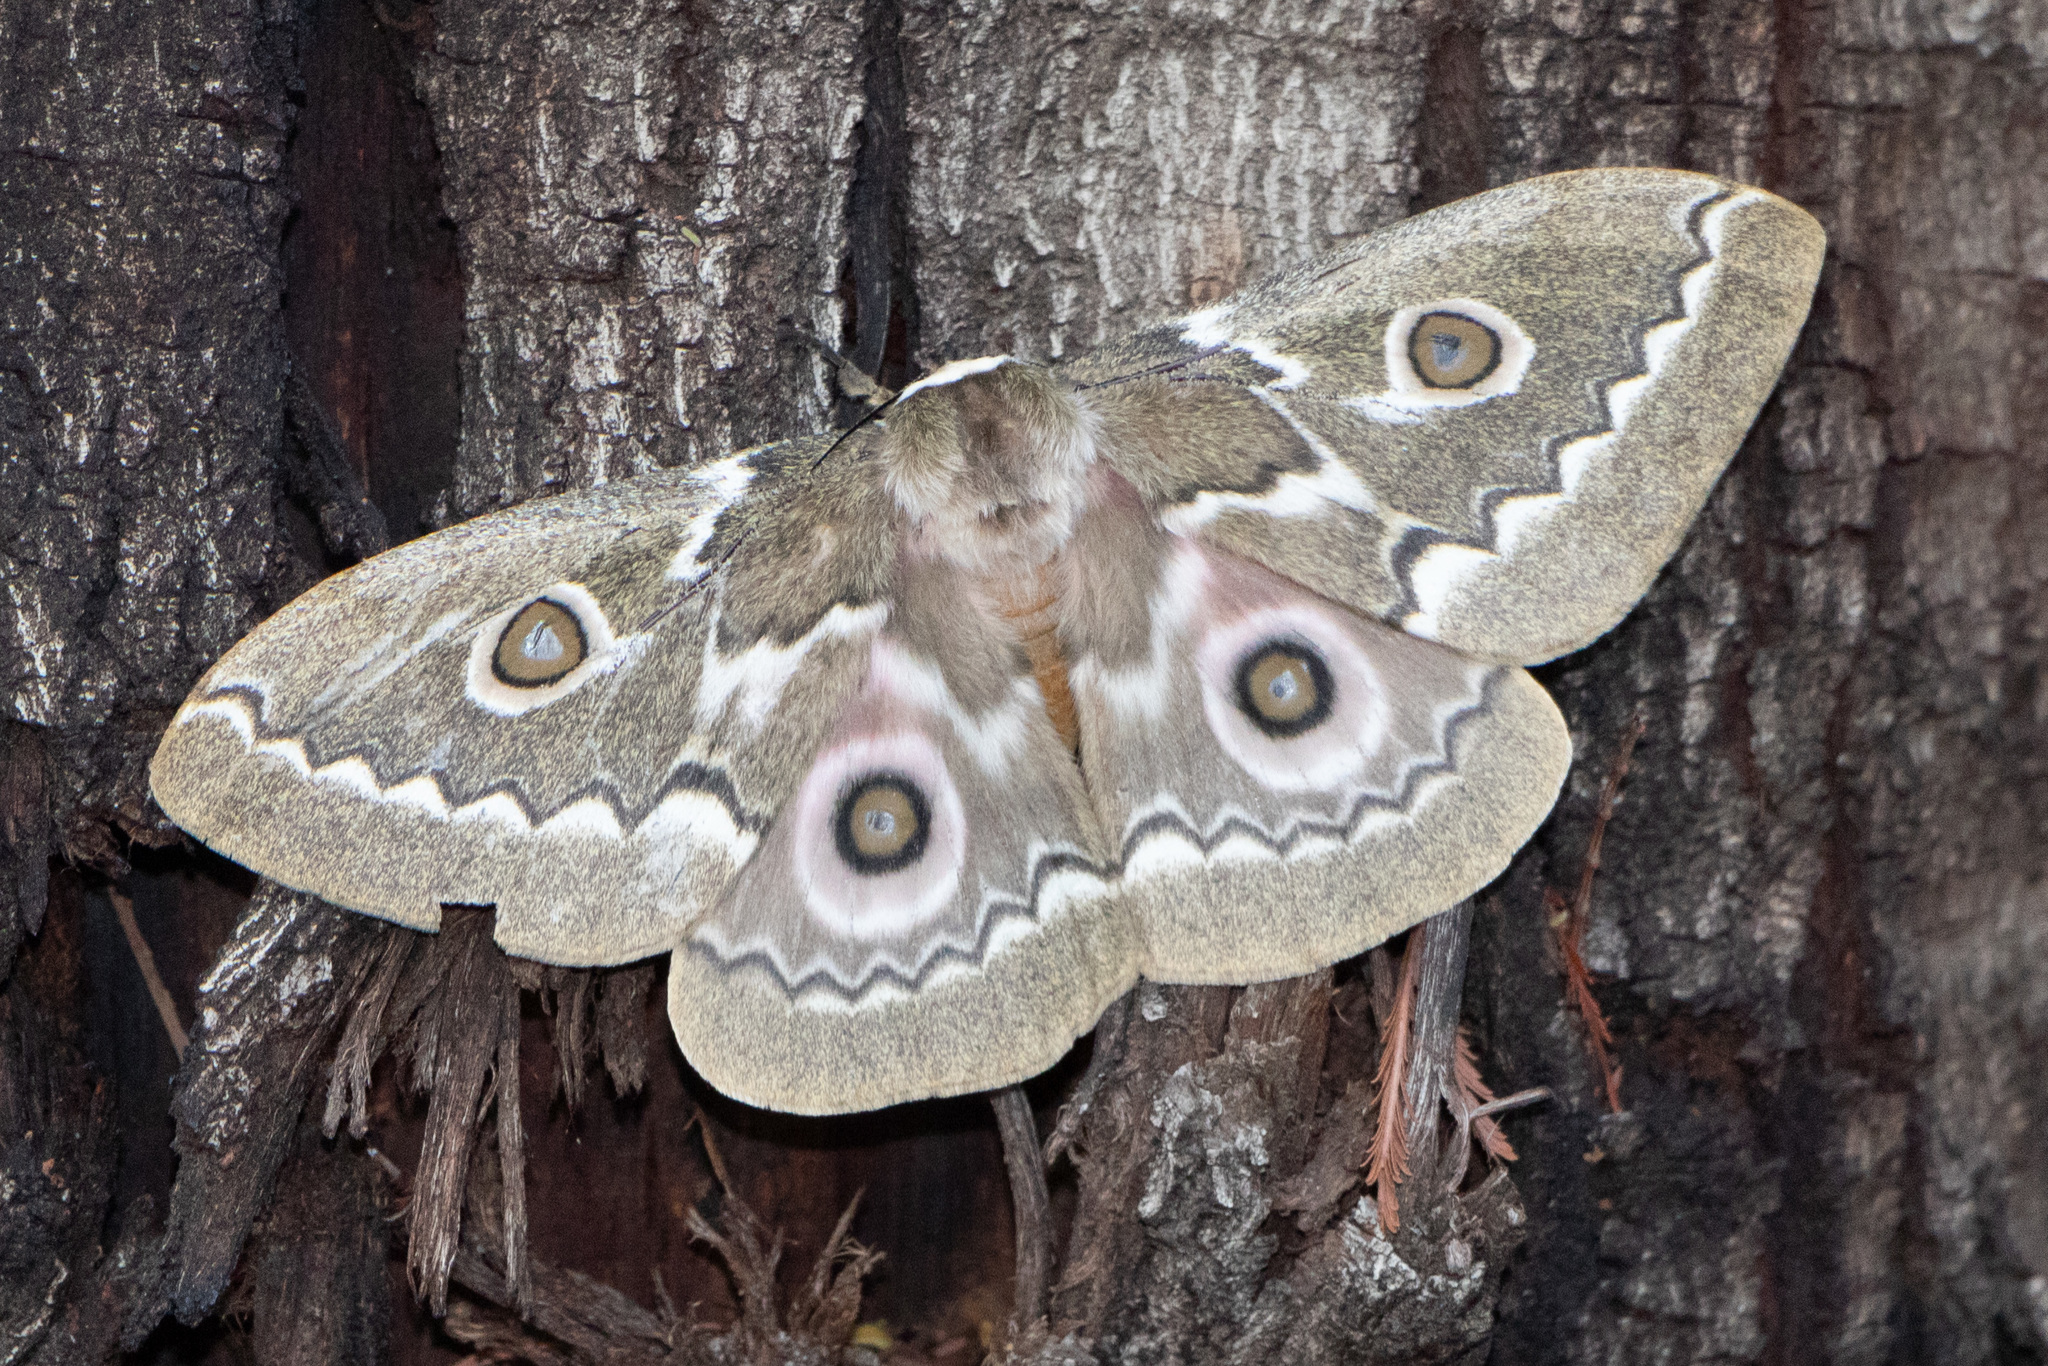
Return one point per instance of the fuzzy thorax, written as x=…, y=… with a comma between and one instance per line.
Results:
x=985, y=458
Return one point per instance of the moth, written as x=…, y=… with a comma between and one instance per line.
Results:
x=1199, y=658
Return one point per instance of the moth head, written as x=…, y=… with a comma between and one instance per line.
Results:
x=985, y=459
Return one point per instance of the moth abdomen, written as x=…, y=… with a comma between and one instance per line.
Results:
x=1199, y=657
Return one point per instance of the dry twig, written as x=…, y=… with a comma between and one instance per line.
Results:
x=1387, y=1166
x=166, y=1008
x=1025, y=1163
x=1473, y=1105
x=1473, y=1097
x=1426, y=1060
x=1568, y=925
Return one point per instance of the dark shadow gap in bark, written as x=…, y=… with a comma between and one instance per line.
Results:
x=1854, y=1052
x=1783, y=166
x=25, y=838
x=1513, y=991
x=1693, y=62
x=1455, y=126
x=880, y=335
x=126, y=1044
x=373, y=286
x=1836, y=997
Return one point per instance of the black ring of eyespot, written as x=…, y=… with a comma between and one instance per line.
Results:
x=574, y=652
x=912, y=848
x=1320, y=683
x=1418, y=337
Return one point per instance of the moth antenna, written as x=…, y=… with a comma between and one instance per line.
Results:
x=652, y=619
x=853, y=381
x=1162, y=368
x=840, y=440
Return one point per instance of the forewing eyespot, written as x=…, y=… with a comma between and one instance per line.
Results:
x=882, y=824
x=1452, y=351
x=542, y=644
x=1284, y=688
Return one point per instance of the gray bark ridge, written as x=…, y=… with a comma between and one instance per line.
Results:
x=140, y=363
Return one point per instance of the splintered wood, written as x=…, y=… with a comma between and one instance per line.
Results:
x=1425, y=1061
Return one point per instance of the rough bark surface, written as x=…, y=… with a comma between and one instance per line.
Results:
x=629, y=257
x=1079, y=170
x=140, y=366
x=520, y=247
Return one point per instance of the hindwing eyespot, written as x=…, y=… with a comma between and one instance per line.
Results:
x=1284, y=687
x=882, y=824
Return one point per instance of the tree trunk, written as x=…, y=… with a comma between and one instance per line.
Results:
x=278, y=283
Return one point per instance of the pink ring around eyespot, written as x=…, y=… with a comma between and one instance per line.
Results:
x=875, y=906
x=1333, y=751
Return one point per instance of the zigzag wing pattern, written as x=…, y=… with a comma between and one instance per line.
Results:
x=1623, y=328
x=841, y=976
x=786, y=714
x=1288, y=782
x=382, y=743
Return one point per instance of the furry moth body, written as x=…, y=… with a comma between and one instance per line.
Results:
x=1197, y=658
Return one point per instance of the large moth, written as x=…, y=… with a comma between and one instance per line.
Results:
x=1200, y=657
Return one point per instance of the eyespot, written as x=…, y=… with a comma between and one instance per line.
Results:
x=1452, y=351
x=865, y=878
x=1449, y=353
x=542, y=643
x=882, y=824
x=1291, y=692
x=1284, y=687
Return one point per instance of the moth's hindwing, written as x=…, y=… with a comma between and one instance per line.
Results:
x=775, y=713
x=1286, y=781
x=583, y=710
x=934, y=910
x=1490, y=424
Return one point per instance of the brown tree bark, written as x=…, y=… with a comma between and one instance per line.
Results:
x=277, y=282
